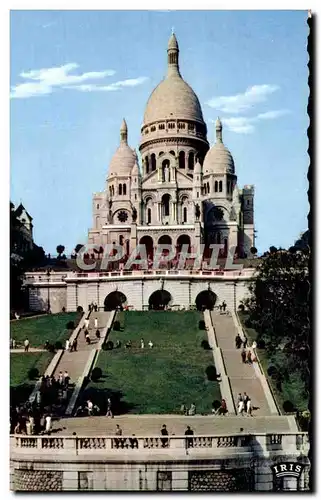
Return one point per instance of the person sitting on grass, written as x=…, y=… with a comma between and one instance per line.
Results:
x=222, y=410
x=150, y=343
x=192, y=410
x=118, y=344
x=128, y=344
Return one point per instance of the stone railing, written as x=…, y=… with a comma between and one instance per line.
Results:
x=78, y=445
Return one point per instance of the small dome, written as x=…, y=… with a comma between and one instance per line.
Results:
x=197, y=167
x=124, y=158
x=123, y=161
x=218, y=160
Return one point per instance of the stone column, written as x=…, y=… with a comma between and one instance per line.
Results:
x=133, y=236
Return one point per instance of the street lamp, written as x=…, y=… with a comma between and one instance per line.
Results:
x=48, y=276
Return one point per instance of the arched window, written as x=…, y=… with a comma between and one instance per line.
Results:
x=135, y=196
x=161, y=126
x=220, y=186
x=152, y=129
x=184, y=214
x=191, y=161
x=146, y=164
x=165, y=204
x=153, y=162
x=165, y=170
x=216, y=186
x=97, y=206
x=228, y=187
x=181, y=159
x=172, y=153
x=161, y=153
x=120, y=189
x=121, y=240
x=208, y=187
x=149, y=216
x=171, y=125
x=124, y=188
x=112, y=190
x=247, y=202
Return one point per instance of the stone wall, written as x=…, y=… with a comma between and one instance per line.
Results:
x=37, y=480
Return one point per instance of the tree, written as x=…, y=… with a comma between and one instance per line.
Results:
x=60, y=249
x=78, y=247
x=279, y=311
x=253, y=250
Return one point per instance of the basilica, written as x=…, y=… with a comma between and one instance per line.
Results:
x=179, y=190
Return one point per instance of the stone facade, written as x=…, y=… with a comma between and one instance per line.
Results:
x=37, y=480
x=183, y=192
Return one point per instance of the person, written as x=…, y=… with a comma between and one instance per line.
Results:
x=86, y=326
x=109, y=410
x=142, y=343
x=223, y=408
x=238, y=341
x=75, y=344
x=224, y=305
x=86, y=333
x=220, y=308
x=66, y=378
x=117, y=344
x=60, y=379
x=67, y=345
x=90, y=407
x=26, y=344
x=17, y=315
x=118, y=432
x=134, y=442
x=46, y=346
x=189, y=441
x=249, y=356
x=249, y=407
x=32, y=424
x=128, y=344
x=245, y=400
x=240, y=403
x=245, y=342
x=95, y=306
x=96, y=323
x=164, y=432
x=184, y=409
x=192, y=409
x=243, y=356
x=88, y=339
x=150, y=343
x=48, y=424
x=97, y=334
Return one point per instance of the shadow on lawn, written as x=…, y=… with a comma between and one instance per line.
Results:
x=99, y=397
x=20, y=393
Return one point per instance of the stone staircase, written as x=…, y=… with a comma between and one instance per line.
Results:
x=243, y=376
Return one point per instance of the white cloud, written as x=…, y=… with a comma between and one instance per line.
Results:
x=242, y=102
x=45, y=81
x=131, y=82
x=246, y=125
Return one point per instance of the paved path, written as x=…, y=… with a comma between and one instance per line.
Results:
x=242, y=376
x=74, y=362
x=142, y=425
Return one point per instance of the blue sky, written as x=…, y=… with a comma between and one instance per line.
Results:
x=249, y=68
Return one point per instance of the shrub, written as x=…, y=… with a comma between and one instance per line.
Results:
x=109, y=345
x=80, y=309
x=70, y=325
x=117, y=326
x=241, y=307
x=96, y=374
x=51, y=348
x=63, y=309
x=288, y=406
x=104, y=347
x=33, y=373
x=58, y=345
x=201, y=325
x=216, y=404
x=271, y=371
x=205, y=345
x=261, y=344
x=211, y=373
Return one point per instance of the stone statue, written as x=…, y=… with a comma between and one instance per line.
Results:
x=110, y=216
x=166, y=174
x=134, y=214
x=110, y=204
x=197, y=211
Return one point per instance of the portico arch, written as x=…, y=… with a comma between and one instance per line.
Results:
x=205, y=300
x=115, y=300
x=165, y=240
x=149, y=245
x=159, y=300
x=183, y=239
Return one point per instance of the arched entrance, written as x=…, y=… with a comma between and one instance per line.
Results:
x=115, y=300
x=159, y=300
x=149, y=245
x=205, y=300
x=165, y=240
x=184, y=239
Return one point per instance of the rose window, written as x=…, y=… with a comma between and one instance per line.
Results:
x=122, y=216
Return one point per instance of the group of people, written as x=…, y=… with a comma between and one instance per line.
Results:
x=93, y=307
x=142, y=344
x=222, y=307
x=71, y=346
x=244, y=404
x=191, y=411
x=247, y=356
x=29, y=422
x=90, y=409
x=221, y=410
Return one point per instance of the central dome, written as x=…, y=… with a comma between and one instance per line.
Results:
x=173, y=97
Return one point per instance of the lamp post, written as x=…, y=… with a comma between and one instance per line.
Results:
x=48, y=276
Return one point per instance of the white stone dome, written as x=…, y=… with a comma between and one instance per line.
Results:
x=124, y=158
x=218, y=159
x=173, y=97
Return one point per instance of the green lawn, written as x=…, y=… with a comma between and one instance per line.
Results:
x=292, y=390
x=50, y=327
x=20, y=364
x=161, y=379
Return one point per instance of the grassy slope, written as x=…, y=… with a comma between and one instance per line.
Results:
x=159, y=380
x=20, y=364
x=38, y=330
